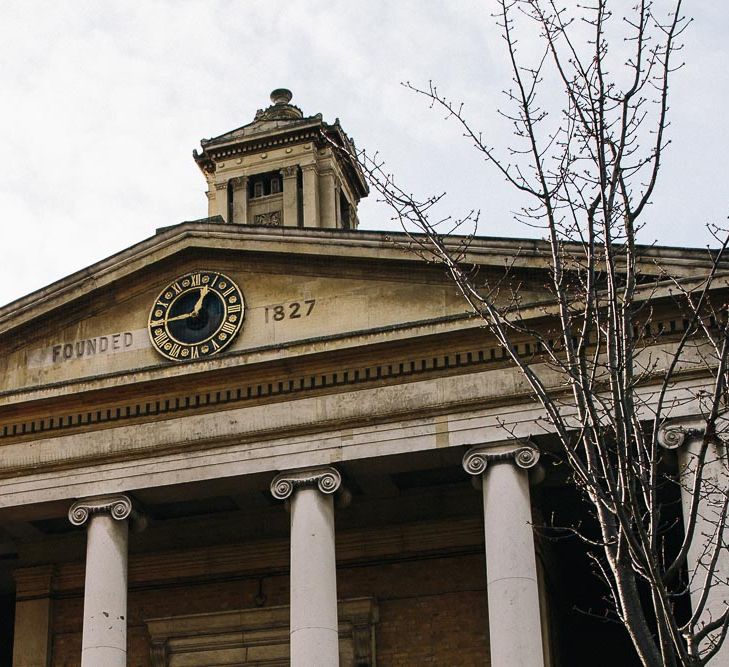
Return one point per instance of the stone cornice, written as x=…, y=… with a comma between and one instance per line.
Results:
x=477, y=459
x=327, y=480
x=208, y=234
x=118, y=507
x=296, y=133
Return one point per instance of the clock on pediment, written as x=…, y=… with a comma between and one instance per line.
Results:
x=196, y=315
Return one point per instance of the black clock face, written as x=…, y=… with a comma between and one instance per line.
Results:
x=197, y=315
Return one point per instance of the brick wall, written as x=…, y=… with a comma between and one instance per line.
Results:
x=432, y=609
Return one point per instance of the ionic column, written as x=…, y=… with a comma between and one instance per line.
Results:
x=105, y=588
x=310, y=182
x=290, y=196
x=240, y=200
x=711, y=529
x=515, y=629
x=314, y=631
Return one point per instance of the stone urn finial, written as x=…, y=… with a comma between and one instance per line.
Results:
x=281, y=96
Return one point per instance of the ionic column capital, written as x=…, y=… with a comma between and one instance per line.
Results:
x=239, y=182
x=221, y=186
x=476, y=459
x=119, y=507
x=290, y=171
x=326, y=479
x=672, y=435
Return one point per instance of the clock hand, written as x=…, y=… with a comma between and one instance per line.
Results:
x=195, y=311
x=180, y=317
x=198, y=305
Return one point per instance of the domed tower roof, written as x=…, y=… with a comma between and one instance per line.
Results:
x=283, y=168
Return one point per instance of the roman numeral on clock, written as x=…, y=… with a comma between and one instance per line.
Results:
x=161, y=339
x=228, y=327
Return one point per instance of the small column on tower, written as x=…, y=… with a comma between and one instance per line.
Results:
x=240, y=200
x=328, y=204
x=221, y=200
x=290, y=196
x=311, y=195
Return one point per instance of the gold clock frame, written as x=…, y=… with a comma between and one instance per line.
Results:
x=205, y=281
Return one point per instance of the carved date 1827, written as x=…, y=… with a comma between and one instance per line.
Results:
x=290, y=311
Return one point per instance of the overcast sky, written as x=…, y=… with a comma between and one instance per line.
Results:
x=103, y=103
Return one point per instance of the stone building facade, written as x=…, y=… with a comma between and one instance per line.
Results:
x=253, y=440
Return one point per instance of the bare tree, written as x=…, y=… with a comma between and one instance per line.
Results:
x=602, y=363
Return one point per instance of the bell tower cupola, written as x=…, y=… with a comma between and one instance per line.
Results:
x=283, y=168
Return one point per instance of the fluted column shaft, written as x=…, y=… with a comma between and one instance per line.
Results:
x=104, y=639
x=515, y=629
x=314, y=629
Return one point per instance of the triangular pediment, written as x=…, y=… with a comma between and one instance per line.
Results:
x=261, y=126
x=306, y=291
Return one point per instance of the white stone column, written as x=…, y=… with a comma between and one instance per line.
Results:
x=515, y=629
x=104, y=639
x=710, y=528
x=314, y=629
